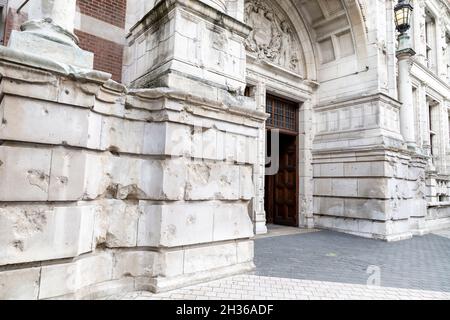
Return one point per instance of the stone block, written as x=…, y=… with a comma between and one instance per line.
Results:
x=232, y=221
x=370, y=209
x=135, y=264
x=77, y=93
x=344, y=187
x=209, y=257
x=373, y=188
x=44, y=122
x=38, y=45
x=358, y=169
x=171, y=264
x=247, y=186
x=331, y=170
x=245, y=251
x=167, y=139
x=118, y=133
x=204, y=143
x=63, y=279
x=329, y=206
x=206, y=181
x=24, y=173
x=29, y=83
x=322, y=187
x=122, y=224
x=173, y=225
x=68, y=175
x=37, y=233
x=21, y=284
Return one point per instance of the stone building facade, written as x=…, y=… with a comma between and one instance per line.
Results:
x=143, y=143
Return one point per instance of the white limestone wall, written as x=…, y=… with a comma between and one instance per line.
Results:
x=83, y=177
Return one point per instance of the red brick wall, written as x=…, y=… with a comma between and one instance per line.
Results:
x=108, y=55
x=110, y=11
x=13, y=22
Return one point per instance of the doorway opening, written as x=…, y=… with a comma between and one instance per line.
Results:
x=281, y=187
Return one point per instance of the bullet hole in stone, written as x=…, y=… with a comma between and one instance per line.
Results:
x=114, y=150
x=67, y=91
x=4, y=121
x=63, y=180
x=18, y=245
x=1, y=163
x=39, y=174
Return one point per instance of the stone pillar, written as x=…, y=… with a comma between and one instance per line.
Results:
x=217, y=4
x=52, y=16
x=50, y=33
x=188, y=59
x=407, y=125
x=259, y=218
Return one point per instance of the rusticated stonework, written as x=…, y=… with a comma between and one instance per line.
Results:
x=272, y=37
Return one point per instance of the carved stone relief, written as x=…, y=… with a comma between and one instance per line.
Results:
x=272, y=38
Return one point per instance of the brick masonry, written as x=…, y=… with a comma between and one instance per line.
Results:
x=108, y=56
x=13, y=22
x=110, y=11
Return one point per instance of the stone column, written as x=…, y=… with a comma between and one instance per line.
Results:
x=49, y=33
x=259, y=218
x=216, y=4
x=196, y=75
x=407, y=125
x=52, y=18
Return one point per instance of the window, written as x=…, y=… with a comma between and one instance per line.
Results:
x=283, y=114
x=433, y=123
x=447, y=55
x=2, y=20
x=430, y=39
x=250, y=91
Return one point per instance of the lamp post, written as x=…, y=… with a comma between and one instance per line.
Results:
x=403, y=11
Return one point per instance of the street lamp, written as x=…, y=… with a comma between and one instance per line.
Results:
x=403, y=11
x=405, y=52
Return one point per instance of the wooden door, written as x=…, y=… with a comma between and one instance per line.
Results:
x=281, y=192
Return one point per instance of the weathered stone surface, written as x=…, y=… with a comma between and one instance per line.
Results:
x=135, y=264
x=173, y=225
x=122, y=225
x=41, y=122
x=245, y=251
x=62, y=279
x=210, y=257
x=36, y=232
x=212, y=181
x=232, y=221
x=27, y=170
x=21, y=284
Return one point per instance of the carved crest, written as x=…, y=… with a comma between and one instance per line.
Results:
x=272, y=38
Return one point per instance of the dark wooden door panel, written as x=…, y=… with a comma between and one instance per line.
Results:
x=281, y=189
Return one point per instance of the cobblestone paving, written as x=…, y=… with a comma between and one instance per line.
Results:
x=421, y=263
x=329, y=265
x=251, y=287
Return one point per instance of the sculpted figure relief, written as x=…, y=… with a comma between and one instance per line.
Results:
x=271, y=38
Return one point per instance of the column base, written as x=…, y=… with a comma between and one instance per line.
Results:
x=163, y=284
x=40, y=45
x=260, y=227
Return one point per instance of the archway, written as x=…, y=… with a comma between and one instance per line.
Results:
x=294, y=47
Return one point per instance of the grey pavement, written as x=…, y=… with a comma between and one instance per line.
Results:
x=422, y=263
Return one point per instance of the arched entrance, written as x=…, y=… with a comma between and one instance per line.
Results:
x=294, y=46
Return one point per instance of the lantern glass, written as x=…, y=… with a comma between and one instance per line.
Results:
x=402, y=15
